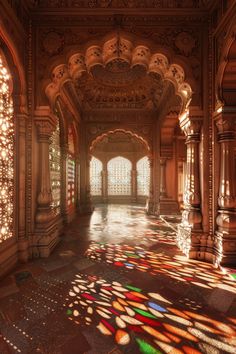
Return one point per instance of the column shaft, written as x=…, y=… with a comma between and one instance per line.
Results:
x=225, y=238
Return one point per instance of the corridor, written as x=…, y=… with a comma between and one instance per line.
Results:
x=117, y=283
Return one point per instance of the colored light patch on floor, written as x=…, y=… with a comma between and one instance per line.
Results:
x=136, y=258
x=149, y=322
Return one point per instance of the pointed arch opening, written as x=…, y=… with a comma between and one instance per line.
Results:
x=119, y=177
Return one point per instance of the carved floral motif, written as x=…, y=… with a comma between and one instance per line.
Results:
x=52, y=43
x=185, y=43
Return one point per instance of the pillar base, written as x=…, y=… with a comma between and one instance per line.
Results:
x=225, y=248
x=151, y=207
x=86, y=208
x=195, y=244
x=23, y=249
x=168, y=206
x=8, y=256
x=46, y=237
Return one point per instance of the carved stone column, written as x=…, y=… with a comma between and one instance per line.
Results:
x=167, y=205
x=85, y=198
x=64, y=183
x=77, y=184
x=163, y=193
x=134, y=184
x=46, y=230
x=180, y=182
x=104, y=183
x=190, y=230
x=150, y=206
x=225, y=238
x=23, y=242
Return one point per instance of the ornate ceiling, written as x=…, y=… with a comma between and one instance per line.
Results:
x=90, y=4
x=127, y=89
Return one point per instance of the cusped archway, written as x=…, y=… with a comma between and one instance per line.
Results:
x=119, y=73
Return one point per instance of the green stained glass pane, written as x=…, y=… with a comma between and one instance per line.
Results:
x=131, y=255
x=233, y=275
x=144, y=313
x=146, y=348
x=133, y=288
x=69, y=312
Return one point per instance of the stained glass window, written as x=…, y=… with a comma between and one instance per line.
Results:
x=95, y=177
x=119, y=176
x=55, y=168
x=6, y=156
x=71, y=170
x=143, y=176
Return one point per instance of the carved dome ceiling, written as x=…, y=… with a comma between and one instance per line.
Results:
x=131, y=88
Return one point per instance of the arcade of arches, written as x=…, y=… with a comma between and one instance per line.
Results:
x=124, y=103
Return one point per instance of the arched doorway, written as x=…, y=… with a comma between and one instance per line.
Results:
x=113, y=168
x=119, y=177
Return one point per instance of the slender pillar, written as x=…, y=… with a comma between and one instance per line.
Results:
x=180, y=182
x=225, y=238
x=163, y=193
x=77, y=183
x=134, y=183
x=190, y=230
x=104, y=183
x=150, y=206
x=23, y=242
x=85, y=198
x=64, y=182
x=47, y=223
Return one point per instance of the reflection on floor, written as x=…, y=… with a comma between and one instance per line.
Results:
x=118, y=284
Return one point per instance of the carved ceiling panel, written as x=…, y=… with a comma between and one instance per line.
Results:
x=142, y=92
x=89, y=4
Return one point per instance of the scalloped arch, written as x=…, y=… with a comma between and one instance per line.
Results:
x=101, y=136
x=119, y=49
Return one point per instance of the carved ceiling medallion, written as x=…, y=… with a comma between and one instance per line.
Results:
x=52, y=43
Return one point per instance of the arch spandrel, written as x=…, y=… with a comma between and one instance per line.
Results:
x=226, y=73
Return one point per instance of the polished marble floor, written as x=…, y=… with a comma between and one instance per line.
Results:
x=117, y=283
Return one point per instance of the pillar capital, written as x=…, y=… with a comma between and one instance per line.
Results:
x=45, y=122
x=163, y=160
x=225, y=120
x=191, y=122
